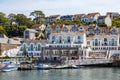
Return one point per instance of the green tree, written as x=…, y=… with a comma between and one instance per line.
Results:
x=78, y=21
x=21, y=19
x=67, y=22
x=24, y=52
x=103, y=25
x=116, y=22
x=37, y=34
x=12, y=17
x=2, y=30
x=3, y=18
x=38, y=15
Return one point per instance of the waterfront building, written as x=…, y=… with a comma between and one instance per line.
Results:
x=31, y=48
x=74, y=42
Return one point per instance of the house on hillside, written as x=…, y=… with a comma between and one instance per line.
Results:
x=66, y=17
x=78, y=16
x=104, y=20
x=112, y=14
x=51, y=18
x=91, y=17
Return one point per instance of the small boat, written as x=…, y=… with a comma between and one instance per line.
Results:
x=72, y=66
x=1, y=66
x=65, y=66
x=10, y=67
x=42, y=66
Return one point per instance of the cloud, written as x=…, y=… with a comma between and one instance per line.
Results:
x=59, y=6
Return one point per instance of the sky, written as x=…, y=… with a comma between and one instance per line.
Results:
x=62, y=7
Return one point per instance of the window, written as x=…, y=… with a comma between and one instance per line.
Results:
x=60, y=39
x=97, y=31
x=88, y=42
x=23, y=47
x=39, y=47
x=113, y=41
x=96, y=42
x=68, y=39
x=65, y=29
x=81, y=29
x=113, y=31
x=53, y=39
x=31, y=47
x=79, y=38
x=57, y=29
x=105, y=39
x=74, y=28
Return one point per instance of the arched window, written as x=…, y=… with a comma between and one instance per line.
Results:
x=53, y=39
x=96, y=42
x=23, y=47
x=68, y=39
x=60, y=39
x=38, y=47
x=113, y=41
x=105, y=41
x=31, y=47
x=79, y=38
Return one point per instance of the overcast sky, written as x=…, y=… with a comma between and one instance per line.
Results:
x=50, y=7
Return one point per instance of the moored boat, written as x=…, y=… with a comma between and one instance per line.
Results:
x=42, y=66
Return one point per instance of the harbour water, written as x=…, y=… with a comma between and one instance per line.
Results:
x=64, y=74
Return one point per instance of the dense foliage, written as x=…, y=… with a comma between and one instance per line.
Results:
x=15, y=24
x=116, y=22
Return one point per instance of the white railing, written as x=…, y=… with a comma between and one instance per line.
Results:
x=87, y=61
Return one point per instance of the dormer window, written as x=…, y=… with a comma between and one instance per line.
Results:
x=80, y=29
x=114, y=31
x=97, y=31
x=91, y=31
x=48, y=29
x=65, y=29
x=57, y=29
x=74, y=28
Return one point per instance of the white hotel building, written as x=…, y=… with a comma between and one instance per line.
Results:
x=74, y=42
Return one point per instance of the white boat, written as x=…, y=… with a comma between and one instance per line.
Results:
x=65, y=66
x=10, y=67
x=1, y=66
x=43, y=67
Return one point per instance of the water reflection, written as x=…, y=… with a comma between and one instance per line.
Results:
x=70, y=74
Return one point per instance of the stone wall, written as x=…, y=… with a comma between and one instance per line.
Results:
x=7, y=46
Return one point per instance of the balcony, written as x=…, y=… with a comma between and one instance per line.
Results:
x=104, y=47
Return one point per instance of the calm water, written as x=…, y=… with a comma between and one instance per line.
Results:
x=70, y=74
